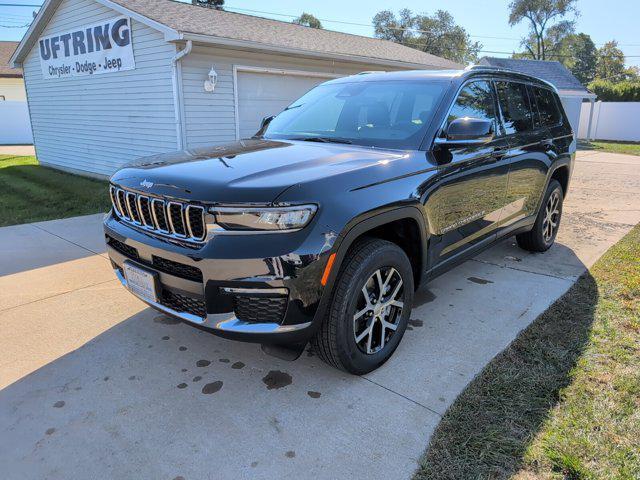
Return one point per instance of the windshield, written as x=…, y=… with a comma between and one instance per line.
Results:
x=387, y=114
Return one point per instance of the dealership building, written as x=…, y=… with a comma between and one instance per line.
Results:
x=111, y=80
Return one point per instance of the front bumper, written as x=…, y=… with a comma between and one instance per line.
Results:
x=249, y=288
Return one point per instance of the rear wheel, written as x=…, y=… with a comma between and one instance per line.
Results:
x=369, y=309
x=544, y=231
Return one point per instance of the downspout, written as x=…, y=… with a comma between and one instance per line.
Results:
x=178, y=99
x=592, y=106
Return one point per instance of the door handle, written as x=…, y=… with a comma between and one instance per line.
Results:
x=499, y=153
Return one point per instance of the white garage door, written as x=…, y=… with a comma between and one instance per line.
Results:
x=264, y=94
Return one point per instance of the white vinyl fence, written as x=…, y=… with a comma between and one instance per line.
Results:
x=15, y=126
x=611, y=121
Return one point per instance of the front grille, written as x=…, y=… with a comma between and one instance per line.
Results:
x=126, y=250
x=260, y=309
x=158, y=215
x=177, y=269
x=181, y=303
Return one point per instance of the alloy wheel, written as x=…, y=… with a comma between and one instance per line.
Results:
x=551, y=217
x=378, y=310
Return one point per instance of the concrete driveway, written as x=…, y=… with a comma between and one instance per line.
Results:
x=95, y=385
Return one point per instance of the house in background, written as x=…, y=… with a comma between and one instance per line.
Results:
x=112, y=80
x=15, y=125
x=11, y=82
x=572, y=92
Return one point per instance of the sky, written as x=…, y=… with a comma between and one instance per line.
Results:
x=486, y=21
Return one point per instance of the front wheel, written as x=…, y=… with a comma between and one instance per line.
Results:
x=369, y=310
x=544, y=231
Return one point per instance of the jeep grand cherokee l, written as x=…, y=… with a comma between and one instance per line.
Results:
x=320, y=228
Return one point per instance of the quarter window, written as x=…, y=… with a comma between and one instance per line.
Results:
x=547, y=107
x=516, y=110
x=476, y=101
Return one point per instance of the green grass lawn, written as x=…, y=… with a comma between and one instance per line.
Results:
x=563, y=400
x=30, y=192
x=630, y=148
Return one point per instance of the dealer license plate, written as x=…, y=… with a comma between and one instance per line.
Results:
x=141, y=282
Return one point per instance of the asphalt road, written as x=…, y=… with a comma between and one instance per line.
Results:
x=95, y=385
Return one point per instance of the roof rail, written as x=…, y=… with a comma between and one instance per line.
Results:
x=368, y=72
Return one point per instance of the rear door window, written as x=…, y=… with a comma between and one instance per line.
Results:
x=548, y=111
x=517, y=114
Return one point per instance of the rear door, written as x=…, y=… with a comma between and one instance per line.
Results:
x=527, y=157
x=465, y=206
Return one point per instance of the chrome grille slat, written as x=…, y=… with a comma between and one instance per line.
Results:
x=169, y=218
x=177, y=228
x=132, y=206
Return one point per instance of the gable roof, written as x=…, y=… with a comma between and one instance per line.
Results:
x=553, y=72
x=183, y=21
x=6, y=50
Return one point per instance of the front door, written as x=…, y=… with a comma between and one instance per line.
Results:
x=464, y=206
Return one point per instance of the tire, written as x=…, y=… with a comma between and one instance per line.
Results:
x=336, y=341
x=544, y=231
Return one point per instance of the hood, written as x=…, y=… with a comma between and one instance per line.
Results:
x=247, y=171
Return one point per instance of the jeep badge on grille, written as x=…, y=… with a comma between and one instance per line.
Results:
x=146, y=184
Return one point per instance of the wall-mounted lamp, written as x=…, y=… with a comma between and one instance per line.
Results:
x=210, y=83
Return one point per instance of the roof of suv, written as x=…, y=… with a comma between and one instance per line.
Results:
x=439, y=74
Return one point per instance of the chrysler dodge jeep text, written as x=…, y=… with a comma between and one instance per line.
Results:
x=320, y=227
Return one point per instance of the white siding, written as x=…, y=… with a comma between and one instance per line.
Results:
x=210, y=117
x=98, y=123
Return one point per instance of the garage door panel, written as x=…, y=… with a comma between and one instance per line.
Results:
x=264, y=94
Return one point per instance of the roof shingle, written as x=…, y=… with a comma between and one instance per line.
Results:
x=6, y=50
x=553, y=72
x=187, y=18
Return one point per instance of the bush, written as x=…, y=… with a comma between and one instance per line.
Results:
x=607, y=91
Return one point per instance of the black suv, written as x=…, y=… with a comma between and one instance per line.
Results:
x=320, y=228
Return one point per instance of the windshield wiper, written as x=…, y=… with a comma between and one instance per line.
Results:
x=325, y=140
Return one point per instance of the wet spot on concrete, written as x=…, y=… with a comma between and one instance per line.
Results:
x=416, y=323
x=166, y=337
x=197, y=378
x=480, y=281
x=50, y=431
x=409, y=327
x=423, y=296
x=290, y=454
x=210, y=388
x=149, y=346
x=179, y=477
x=441, y=399
x=77, y=389
x=182, y=348
x=106, y=379
x=203, y=363
x=224, y=360
x=313, y=394
x=182, y=385
x=184, y=370
x=451, y=304
x=237, y=365
x=254, y=464
x=132, y=377
x=276, y=379
x=459, y=289
x=512, y=258
x=59, y=404
x=166, y=320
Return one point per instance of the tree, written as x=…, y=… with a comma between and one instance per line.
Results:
x=437, y=34
x=308, y=20
x=578, y=53
x=215, y=4
x=610, y=64
x=546, y=23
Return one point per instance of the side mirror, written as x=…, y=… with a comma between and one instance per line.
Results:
x=467, y=131
x=263, y=125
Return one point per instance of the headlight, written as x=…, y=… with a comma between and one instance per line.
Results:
x=265, y=219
